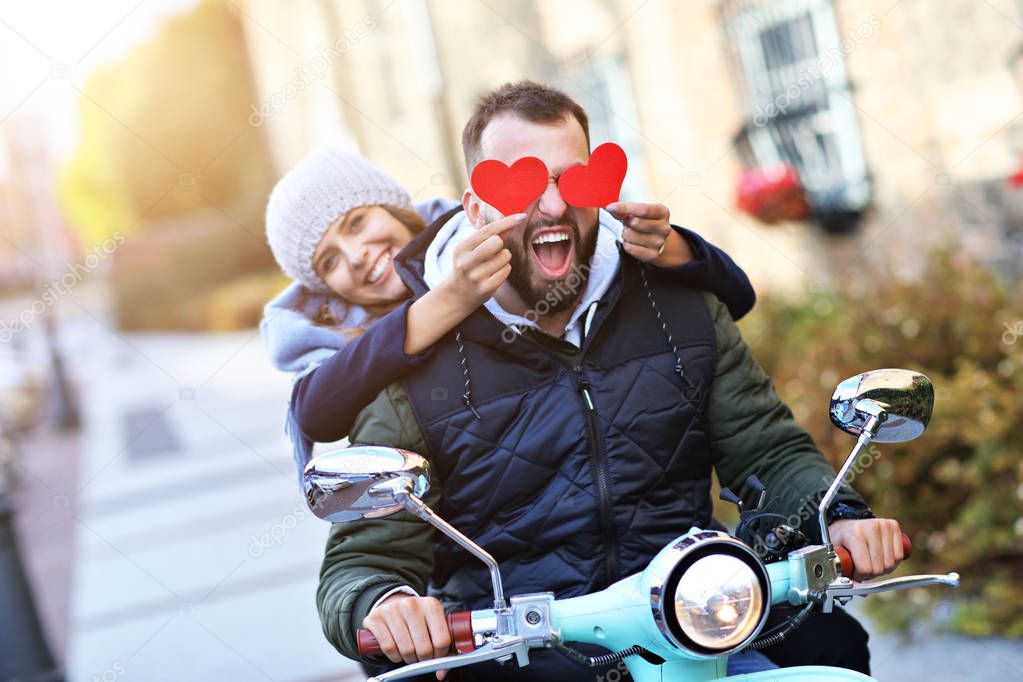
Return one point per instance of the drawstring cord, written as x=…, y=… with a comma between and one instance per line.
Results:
x=664, y=325
x=467, y=395
x=679, y=369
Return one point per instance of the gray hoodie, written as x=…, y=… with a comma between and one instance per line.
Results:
x=602, y=269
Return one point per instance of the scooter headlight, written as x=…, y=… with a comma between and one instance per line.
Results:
x=718, y=601
x=710, y=594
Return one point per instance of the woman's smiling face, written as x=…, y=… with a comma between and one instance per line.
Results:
x=355, y=256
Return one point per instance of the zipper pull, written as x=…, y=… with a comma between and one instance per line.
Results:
x=584, y=388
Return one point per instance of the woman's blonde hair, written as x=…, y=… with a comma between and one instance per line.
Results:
x=325, y=317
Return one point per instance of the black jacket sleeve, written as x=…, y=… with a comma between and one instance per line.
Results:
x=327, y=400
x=713, y=270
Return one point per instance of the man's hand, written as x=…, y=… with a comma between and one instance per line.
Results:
x=410, y=629
x=875, y=544
x=648, y=236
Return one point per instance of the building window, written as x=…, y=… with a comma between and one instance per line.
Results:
x=799, y=108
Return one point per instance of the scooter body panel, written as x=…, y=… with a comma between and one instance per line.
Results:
x=806, y=673
x=686, y=671
x=621, y=615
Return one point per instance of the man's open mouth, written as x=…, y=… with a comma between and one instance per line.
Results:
x=552, y=250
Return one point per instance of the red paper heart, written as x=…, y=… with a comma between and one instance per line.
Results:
x=598, y=183
x=510, y=189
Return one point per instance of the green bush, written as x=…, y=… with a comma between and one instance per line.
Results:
x=957, y=489
x=237, y=304
x=194, y=273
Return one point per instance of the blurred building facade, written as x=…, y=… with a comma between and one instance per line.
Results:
x=35, y=243
x=904, y=119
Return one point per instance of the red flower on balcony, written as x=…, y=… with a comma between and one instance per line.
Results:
x=1016, y=179
x=772, y=194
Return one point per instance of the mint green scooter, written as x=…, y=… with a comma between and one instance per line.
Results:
x=703, y=597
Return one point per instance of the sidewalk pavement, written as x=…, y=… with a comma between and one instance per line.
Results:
x=923, y=655
x=42, y=478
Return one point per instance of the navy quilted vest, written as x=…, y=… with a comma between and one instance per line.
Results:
x=571, y=477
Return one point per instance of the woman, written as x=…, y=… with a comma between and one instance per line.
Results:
x=347, y=327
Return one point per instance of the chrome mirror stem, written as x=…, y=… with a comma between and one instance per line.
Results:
x=416, y=506
x=868, y=433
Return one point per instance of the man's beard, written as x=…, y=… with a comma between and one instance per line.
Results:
x=560, y=294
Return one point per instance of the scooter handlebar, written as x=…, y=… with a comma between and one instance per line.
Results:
x=459, y=623
x=847, y=562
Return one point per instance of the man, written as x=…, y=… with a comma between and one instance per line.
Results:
x=572, y=422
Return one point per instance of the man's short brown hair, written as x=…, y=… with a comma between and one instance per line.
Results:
x=528, y=100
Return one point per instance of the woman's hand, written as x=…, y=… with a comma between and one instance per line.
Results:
x=482, y=263
x=647, y=234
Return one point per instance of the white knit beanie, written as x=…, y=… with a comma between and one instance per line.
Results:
x=322, y=187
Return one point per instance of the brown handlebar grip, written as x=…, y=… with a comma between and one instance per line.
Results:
x=368, y=644
x=459, y=623
x=847, y=562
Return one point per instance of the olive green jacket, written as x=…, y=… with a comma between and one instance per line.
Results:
x=751, y=432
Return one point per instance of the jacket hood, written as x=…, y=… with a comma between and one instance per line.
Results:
x=427, y=259
x=294, y=342
x=409, y=263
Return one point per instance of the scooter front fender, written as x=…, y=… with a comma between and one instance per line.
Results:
x=683, y=671
x=806, y=673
